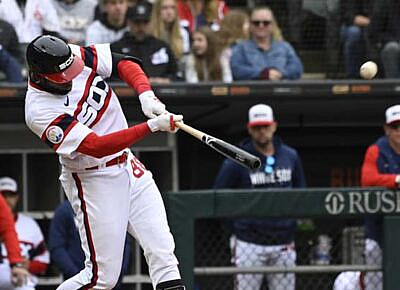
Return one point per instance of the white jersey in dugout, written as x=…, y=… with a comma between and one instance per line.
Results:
x=31, y=240
x=91, y=106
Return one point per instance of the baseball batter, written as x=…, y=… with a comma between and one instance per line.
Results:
x=73, y=110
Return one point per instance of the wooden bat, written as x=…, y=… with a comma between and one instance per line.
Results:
x=230, y=151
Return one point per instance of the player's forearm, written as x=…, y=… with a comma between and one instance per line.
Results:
x=373, y=178
x=101, y=146
x=36, y=267
x=133, y=75
x=8, y=234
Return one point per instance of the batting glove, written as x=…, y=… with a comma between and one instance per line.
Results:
x=164, y=122
x=151, y=105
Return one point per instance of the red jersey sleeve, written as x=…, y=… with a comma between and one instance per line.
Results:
x=134, y=76
x=8, y=233
x=370, y=175
x=100, y=146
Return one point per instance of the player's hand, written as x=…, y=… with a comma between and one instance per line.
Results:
x=19, y=275
x=164, y=122
x=151, y=105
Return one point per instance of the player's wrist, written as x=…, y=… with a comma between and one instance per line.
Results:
x=153, y=125
x=18, y=265
x=146, y=94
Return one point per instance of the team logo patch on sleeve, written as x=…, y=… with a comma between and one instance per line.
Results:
x=54, y=134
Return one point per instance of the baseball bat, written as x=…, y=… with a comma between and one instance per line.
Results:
x=228, y=150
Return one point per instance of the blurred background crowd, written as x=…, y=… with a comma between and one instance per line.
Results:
x=215, y=40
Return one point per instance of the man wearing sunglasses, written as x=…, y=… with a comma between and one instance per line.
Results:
x=266, y=56
x=269, y=241
x=381, y=167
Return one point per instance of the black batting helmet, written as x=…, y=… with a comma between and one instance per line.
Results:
x=51, y=58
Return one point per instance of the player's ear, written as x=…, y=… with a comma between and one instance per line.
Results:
x=274, y=126
x=386, y=129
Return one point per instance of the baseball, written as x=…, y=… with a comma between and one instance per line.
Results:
x=368, y=70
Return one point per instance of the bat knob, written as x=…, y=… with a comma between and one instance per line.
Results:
x=255, y=164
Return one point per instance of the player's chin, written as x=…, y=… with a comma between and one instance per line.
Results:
x=61, y=88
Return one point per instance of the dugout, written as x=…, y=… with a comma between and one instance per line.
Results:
x=330, y=123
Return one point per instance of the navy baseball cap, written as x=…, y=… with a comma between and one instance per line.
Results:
x=140, y=12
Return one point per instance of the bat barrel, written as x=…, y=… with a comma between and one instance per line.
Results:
x=236, y=154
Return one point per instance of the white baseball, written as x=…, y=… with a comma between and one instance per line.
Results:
x=368, y=70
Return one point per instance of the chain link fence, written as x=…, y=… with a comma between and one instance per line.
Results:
x=325, y=254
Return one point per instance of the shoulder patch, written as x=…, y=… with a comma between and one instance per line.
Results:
x=54, y=134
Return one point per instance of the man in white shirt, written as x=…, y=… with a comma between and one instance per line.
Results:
x=112, y=25
x=30, y=18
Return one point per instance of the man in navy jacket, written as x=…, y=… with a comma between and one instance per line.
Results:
x=268, y=241
x=381, y=167
x=65, y=245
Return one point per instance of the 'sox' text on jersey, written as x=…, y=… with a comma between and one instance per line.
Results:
x=95, y=102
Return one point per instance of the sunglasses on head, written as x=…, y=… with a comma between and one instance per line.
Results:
x=269, y=164
x=259, y=22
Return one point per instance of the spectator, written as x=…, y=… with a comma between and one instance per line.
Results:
x=9, y=40
x=197, y=13
x=9, y=237
x=264, y=242
x=158, y=60
x=205, y=62
x=381, y=167
x=10, y=66
x=384, y=34
x=74, y=16
x=165, y=25
x=229, y=34
x=266, y=56
x=65, y=245
x=31, y=241
x=315, y=25
x=353, y=34
x=30, y=18
x=112, y=26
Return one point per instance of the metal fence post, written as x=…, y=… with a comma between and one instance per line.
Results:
x=391, y=253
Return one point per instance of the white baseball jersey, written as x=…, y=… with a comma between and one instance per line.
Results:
x=32, y=246
x=64, y=121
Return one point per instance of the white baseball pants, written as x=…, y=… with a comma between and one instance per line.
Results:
x=108, y=202
x=252, y=255
x=373, y=256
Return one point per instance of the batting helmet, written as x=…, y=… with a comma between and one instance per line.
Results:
x=51, y=58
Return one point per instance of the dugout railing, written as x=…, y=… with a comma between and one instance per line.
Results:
x=185, y=207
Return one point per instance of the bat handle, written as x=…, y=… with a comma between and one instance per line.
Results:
x=192, y=131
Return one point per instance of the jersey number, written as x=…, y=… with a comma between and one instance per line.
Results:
x=137, y=167
x=94, y=102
